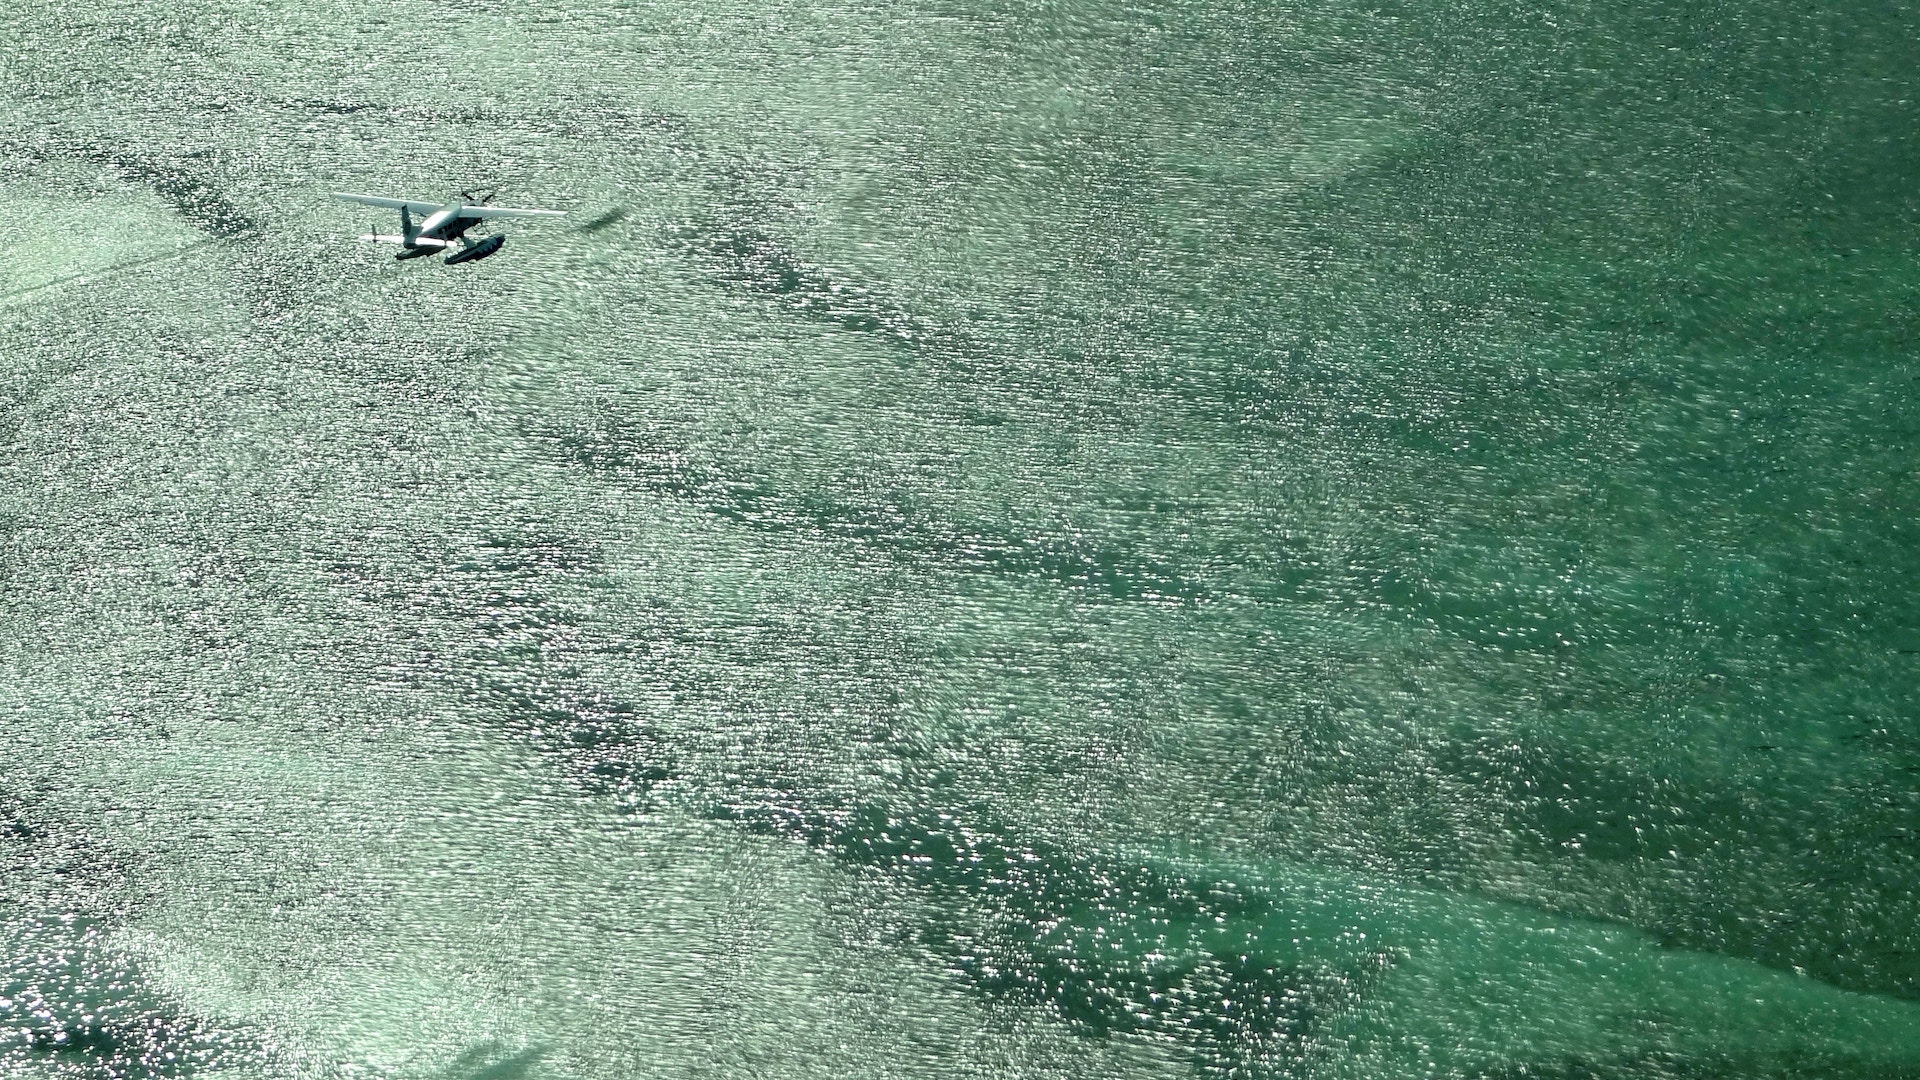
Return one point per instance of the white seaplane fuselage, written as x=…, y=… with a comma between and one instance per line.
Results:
x=443, y=228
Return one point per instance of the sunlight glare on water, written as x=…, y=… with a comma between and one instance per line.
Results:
x=1012, y=540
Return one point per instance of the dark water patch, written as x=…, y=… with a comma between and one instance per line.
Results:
x=609, y=442
x=19, y=159
x=398, y=112
x=1570, y=804
x=748, y=260
x=520, y=647
x=16, y=826
x=184, y=181
x=616, y=120
x=45, y=861
x=1117, y=947
x=604, y=741
x=14, y=402
x=583, y=119
x=181, y=183
x=147, y=1046
x=530, y=554
x=1108, y=947
x=1823, y=890
x=1728, y=1066
x=606, y=745
x=70, y=1006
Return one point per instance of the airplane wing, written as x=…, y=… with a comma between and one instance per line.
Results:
x=391, y=204
x=506, y=211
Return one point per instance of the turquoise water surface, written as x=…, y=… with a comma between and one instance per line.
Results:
x=1069, y=540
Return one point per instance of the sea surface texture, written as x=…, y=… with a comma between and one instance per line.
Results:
x=1000, y=540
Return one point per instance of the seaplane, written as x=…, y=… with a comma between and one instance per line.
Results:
x=443, y=226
